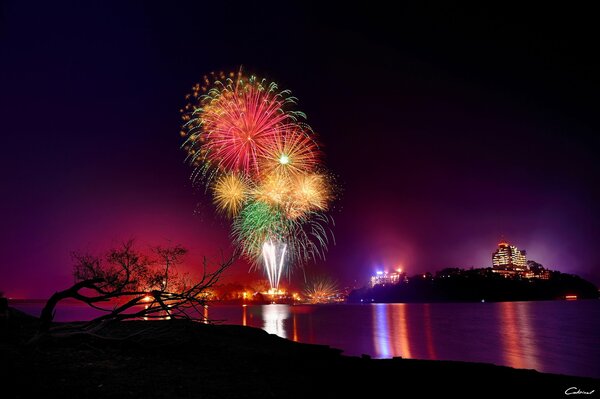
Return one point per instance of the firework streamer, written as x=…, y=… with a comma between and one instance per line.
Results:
x=274, y=257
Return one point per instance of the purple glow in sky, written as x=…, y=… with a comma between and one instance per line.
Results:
x=444, y=135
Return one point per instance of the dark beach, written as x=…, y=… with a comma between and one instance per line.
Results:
x=181, y=359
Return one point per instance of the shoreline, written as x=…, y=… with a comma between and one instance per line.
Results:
x=260, y=303
x=171, y=359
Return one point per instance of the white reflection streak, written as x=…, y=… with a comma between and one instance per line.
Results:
x=273, y=318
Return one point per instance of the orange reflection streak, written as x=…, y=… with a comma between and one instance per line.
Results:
x=428, y=332
x=205, y=314
x=394, y=331
x=311, y=336
x=513, y=354
x=402, y=310
x=244, y=312
x=528, y=340
x=295, y=328
x=390, y=335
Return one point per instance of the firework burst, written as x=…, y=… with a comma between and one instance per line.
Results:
x=235, y=123
x=311, y=192
x=293, y=153
x=257, y=223
x=321, y=290
x=275, y=189
x=230, y=192
x=262, y=162
x=297, y=195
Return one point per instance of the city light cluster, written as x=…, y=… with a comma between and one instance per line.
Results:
x=384, y=277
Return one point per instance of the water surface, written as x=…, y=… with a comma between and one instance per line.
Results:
x=549, y=336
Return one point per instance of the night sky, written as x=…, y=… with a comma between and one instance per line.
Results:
x=446, y=128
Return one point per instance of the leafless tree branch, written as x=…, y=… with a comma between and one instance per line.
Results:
x=137, y=286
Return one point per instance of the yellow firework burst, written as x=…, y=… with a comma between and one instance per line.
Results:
x=290, y=154
x=321, y=290
x=230, y=193
x=310, y=192
x=295, y=195
x=275, y=189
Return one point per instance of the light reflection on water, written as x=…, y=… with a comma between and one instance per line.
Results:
x=381, y=332
x=428, y=332
x=550, y=336
x=518, y=335
x=390, y=330
x=274, y=317
x=396, y=333
x=533, y=335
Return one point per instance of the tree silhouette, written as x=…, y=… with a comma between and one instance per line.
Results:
x=126, y=284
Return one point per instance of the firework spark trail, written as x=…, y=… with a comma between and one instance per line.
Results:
x=273, y=265
x=264, y=167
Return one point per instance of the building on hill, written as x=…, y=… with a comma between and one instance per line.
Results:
x=509, y=261
x=384, y=278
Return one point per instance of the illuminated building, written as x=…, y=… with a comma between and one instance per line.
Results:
x=536, y=270
x=542, y=275
x=383, y=278
x=509, y=260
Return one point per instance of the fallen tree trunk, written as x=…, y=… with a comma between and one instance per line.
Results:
x=47, y=315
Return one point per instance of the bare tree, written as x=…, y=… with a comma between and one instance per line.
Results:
x=126, y=284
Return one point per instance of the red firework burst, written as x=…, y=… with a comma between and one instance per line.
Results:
x=241, y=120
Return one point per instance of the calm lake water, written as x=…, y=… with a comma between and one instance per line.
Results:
x=554, y=336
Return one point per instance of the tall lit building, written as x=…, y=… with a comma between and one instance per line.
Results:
x=509, y=260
